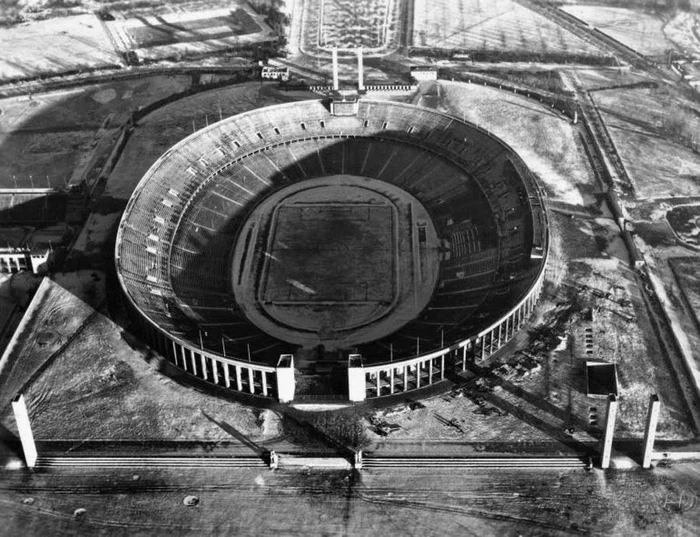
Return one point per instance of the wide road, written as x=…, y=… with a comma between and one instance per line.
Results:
x=422, y=502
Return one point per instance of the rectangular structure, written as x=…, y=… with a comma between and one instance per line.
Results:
x=24, y=428
x=610, y=418
x=357, y=384
x=650, y=432
x=601, y=379
x=286, y=383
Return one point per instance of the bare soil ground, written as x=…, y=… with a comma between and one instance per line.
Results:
x=494, y=25
x=87, y=383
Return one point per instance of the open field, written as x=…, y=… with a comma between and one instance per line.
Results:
x=55, y=138
x=595, y=79
x=89, y=383
x=17, y=11
x=547, y=142
x=637, y=29
x=655, y=110
x=189, y=33
x=77, y=43
x=491, y=26
x=654, y=133
x=684, y=31
x=686, y=271
x=658, y=168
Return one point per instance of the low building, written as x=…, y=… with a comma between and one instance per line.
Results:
x=25, y=248
x=274, y=73
x=421, y=74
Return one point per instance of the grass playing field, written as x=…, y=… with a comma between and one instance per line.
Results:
x=333, y=253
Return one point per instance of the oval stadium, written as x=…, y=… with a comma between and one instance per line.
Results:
x=372, y=246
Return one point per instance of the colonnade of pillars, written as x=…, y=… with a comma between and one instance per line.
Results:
x=246, y=378
x=488, y=343
x=400, y=377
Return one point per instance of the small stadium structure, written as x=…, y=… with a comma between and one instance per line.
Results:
x=385, y=243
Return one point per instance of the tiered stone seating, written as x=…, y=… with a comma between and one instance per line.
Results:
x=183, y=218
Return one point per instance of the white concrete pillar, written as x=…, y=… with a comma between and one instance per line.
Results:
x=650, y=432
x=203, y=363
x=334, y=53
x=610, y=417
x=357, y=382
x=239, y=380
x=183, y=357
x=214, y=370
x=358, y=460
x=193, y=362
x=24, y=427
x=251, y=380
x=360, y=71
x=227, y=375
x=286, y=384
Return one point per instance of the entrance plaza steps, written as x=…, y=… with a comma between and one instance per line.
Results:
x=290, y=461
x=475, y=462
x=151, y=462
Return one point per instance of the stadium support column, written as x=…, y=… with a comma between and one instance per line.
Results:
x=609, y=432
x=360, y=71
x=286, y=384
x=357, y=388
x=335, y=69
x=19, y=407
x=650, y=433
